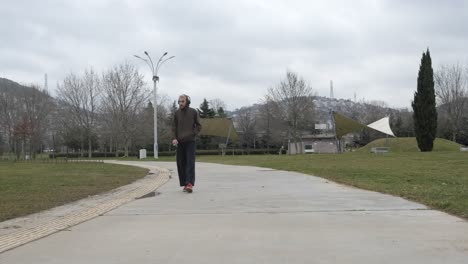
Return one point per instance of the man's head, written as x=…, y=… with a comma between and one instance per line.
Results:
x=184, y=101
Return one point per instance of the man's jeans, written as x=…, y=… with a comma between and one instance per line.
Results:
x=186, y=163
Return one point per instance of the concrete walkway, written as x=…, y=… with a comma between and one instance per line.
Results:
x=256, y=215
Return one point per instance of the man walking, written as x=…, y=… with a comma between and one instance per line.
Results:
x=186, y=127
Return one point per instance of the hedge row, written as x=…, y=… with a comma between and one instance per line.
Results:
x=168, y=153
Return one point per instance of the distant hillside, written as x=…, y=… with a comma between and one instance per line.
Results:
x=11, y=86
x=360, y=111
x=409, y=144
x=14, y=88
x=324, y=104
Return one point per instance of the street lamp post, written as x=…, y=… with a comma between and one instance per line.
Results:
x=154, y=71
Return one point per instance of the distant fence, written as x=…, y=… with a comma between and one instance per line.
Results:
x=54, y=161
x=168, y=153
x=78, y=157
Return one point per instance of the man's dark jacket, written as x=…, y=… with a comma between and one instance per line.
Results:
x=186, y=125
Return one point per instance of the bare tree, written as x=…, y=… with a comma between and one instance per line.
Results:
x=164, y=127
x=81, y=96
x=367, y=112
x=36, y=108
x=267, y=125
x=8, y=116
x=92, y=91
x=146, y=123
x=217, y=104
x=125, y=97
x=293, y=100
x=23, y=115
x=71, y=96
x=246, y=123
x=451, y=92
x=145, y=135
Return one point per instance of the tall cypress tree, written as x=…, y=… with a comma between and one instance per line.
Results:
x=424, y=105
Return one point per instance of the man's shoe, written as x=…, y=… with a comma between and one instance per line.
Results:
x=185, y=188
x=188, y=188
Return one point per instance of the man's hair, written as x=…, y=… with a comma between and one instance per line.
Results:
x=187, y=98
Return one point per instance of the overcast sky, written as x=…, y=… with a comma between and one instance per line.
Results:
x=236, y=50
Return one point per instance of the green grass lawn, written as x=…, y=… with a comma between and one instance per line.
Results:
x=30, y=187
x=437, y=179
x=409, y=144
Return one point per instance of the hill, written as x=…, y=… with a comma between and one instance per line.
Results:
x=15, y=89
x=409, y=144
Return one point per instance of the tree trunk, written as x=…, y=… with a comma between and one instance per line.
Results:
x=17, y=152
x=126, y=150
x=82, y=146
x=89, y=146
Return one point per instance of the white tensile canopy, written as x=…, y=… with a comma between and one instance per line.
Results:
x=382, y=125
x=345, y=125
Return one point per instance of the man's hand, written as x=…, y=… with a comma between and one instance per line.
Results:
x=175, y=142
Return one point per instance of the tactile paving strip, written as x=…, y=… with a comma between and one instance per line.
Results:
x=144, y=186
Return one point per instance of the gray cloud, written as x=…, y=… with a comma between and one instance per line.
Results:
x=235, y=50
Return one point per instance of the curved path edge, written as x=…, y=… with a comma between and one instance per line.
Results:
x=156, y=178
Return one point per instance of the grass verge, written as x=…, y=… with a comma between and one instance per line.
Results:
x=30, y=187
